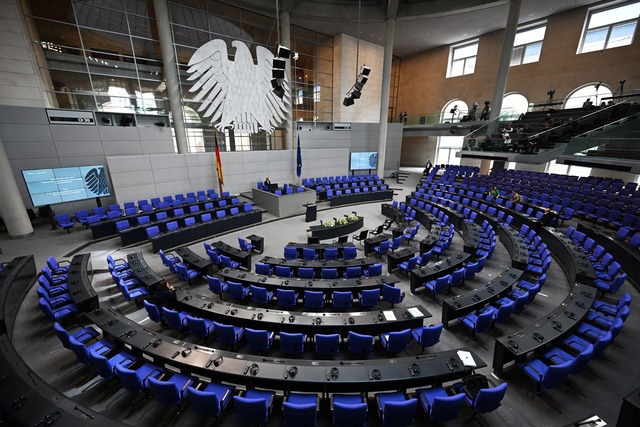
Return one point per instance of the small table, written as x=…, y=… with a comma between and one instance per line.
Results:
x=257, y=242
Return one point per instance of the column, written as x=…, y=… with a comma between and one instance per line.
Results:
x=285, y=32
x=386, y=83
x=171, y=73
x=12, y=207
x=505, y=58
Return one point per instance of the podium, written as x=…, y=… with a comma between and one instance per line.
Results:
x=311, y=213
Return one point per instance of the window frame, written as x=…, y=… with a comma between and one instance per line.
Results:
x=523, y=47
x=609, y=28
x=459, y=46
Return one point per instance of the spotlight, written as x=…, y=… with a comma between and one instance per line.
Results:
x=362, y=79
x=283, y=52
x=160, y=124
x=348, y=100
x=106, y=120
x=355, y=93
x=126, y=120
x=359, y=86
x=365, y=70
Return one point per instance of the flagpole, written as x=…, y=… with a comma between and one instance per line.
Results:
x=218, y=161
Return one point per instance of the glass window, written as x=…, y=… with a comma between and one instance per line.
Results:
x=528, y=44
x=609, y=27
x=454, y=111
x=592, y=93
x=462, y=59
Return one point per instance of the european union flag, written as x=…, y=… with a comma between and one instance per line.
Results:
x=299, y=166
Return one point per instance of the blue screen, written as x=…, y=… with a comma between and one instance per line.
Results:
x=59, y=185
x=364, y=160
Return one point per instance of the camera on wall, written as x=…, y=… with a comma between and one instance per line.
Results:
x=551, y=92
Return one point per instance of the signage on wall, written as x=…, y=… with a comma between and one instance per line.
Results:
x=70, y=117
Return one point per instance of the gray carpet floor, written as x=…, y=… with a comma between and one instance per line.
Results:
x=599, y=390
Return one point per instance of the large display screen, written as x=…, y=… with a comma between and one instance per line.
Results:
x=364, y=160
x=59, y=185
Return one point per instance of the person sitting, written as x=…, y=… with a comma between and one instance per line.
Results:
x=267, y=182
x=486, y=144
x=165, y=296
x=494, y=192
x=516, y=198
x=548, y=122
x=587, y=105
x=506, y=142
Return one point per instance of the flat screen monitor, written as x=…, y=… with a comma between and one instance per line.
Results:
x=60, y=185
x=364, y=160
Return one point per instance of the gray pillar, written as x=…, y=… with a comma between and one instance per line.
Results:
x=171, y=73
x=285, y=32
x=12, y=207
x=505, y=58
x=386, y=83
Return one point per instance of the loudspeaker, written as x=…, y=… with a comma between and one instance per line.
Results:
x=277, y=73
x=283, y=52
x=365, y=70
x=348, y=100
x=355, y=93
x=279, y=63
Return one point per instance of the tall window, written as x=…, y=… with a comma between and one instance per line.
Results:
x=447, y=148
x=528, y=45
x=462, y=59
x=610, y=27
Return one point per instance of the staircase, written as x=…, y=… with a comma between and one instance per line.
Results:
x=401, y=177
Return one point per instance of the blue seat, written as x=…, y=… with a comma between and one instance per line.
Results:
x=212, y=400
x=391, y=294
x=313, y=299
x=65, y=222
x=306, y=272
x=260, y=295
x=353, y=272
x=263, y=269
x=329, y=273
x=327, y=343
x=254, y=407
x=244, y=245
x=395, y=342
x=486, y=400
x=106, y=366
x=292, y=343
x=152, y=231
x=171, y=390
x=348, y=410
x=438, y=285
x=259, y=339
x=395, y=409
x=545, y=376
x=409, y=265
x=383, y=247
x=342, y=299
x=82, y=336
x=290, y=253
x=349, y=252
x=300, y=410
x=373, y=270
x=56, y=267
x=427, y=336
x=137, y=380
x=309, y=254
x=199, y=327
x=237, y=290
x=185, y=273
x=559, y=356
x=174, y=319
x=216, y=286
x=286, y=297
x=81, y=352
x=283, y=271
x=438, y=405
x=331, y=254
x=369, y=297
x=228, y=334
x=360, y=344
x=478, y=322
x=153, y=311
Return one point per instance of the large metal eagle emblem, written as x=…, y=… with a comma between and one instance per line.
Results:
x=237, y=94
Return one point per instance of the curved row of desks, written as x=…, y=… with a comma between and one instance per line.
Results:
x=26, y=398
x=320, y=376
x=318, y=265
x=372, y=322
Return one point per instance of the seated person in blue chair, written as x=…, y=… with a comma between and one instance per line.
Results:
x=165, y=296
x=267, y=182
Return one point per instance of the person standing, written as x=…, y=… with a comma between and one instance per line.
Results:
x=427, y=167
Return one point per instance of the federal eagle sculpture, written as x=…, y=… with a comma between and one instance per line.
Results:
x=237, y=94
